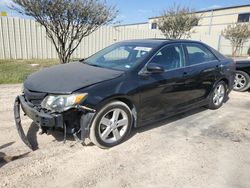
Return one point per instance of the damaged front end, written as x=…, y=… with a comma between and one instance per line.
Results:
x=75, y=120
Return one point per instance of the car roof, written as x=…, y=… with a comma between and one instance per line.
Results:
x=159, y=42
x=156, y=41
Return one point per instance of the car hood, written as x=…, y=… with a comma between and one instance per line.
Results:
x=67, y=78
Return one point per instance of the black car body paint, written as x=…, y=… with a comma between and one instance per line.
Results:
x=151, y=97
x=243, y=65
x=242, y=77
x=66, y=78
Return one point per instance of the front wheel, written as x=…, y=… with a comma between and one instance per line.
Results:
x=111, y=125
x=217, y=96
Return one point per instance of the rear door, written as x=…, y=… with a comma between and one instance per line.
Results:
x=203, y=66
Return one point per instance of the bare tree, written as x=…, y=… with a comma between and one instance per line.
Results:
x=177, y=22
x=67, y=22
x=238, y=34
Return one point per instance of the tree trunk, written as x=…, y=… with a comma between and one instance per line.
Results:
x=63, y=58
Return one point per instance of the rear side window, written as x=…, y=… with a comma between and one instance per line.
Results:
x=197, y=54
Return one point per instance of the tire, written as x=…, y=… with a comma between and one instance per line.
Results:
x=242, y=81
x=105, y=130
x=216, y=98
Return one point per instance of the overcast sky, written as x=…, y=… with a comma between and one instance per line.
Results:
x=134, y=11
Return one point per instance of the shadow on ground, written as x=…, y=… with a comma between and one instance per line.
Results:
x=59, y=135
x=167, y=121
x=4, y=159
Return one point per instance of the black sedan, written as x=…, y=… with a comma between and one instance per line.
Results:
x=129, y=84
x=242, y=77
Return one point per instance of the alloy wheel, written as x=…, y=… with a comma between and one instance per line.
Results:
x=219, y=94
x=239, y=81
x=113, y=126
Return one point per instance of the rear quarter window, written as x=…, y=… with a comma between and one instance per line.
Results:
x=218, y=54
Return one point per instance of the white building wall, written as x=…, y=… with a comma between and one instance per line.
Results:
x=214, y=21
x=26, y=39
x=135, y=26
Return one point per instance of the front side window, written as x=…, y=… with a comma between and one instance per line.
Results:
x=120, y=56
x=170, y=57
x=198, y=54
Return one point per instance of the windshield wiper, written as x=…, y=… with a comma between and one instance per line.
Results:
x=94, y=65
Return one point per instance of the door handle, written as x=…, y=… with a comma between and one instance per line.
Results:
x=185, y=73
x=220, y=66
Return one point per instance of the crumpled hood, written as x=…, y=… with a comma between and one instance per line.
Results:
x=67, y=78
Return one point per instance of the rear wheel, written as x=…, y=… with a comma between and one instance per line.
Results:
x=217, y=96
x=111, y=125
x=241, y=81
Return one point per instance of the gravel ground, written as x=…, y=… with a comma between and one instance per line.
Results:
x=201, y=148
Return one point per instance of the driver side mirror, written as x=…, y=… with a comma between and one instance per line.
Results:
x=155, y=68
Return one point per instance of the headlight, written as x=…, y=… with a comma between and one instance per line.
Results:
x=60, y=103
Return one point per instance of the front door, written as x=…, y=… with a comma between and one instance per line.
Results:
x=164, y=93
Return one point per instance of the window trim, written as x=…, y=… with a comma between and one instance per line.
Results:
x=187, y=56
x=144, y=69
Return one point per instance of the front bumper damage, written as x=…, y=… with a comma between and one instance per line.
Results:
x=49, y=120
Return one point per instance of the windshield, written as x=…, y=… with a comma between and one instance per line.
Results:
x=119, y=56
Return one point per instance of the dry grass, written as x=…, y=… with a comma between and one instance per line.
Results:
x=15, y=71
